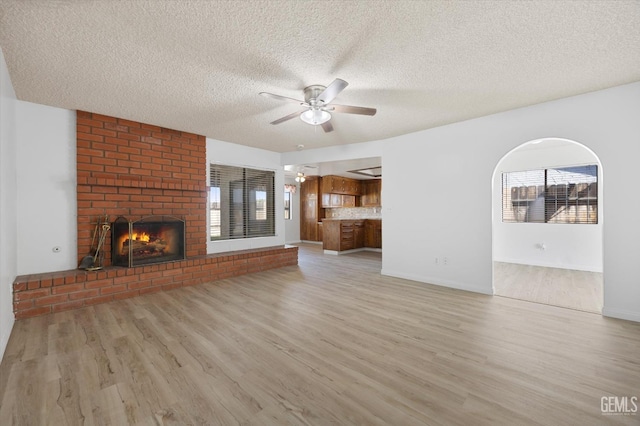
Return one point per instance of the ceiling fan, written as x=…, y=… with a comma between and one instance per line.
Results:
x=317, y=100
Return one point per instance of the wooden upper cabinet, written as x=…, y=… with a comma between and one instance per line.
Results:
x=371, y=190
x=348, y=201
x=337, y=200
x=340, y=185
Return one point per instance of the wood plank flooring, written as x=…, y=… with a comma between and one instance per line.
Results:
x=567, y=288
x=328, y=342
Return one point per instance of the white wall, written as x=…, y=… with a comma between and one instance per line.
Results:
x=8, y=201
x=292, y=227
x=438, y=186
x=566, y=246
x=47, y=208
x=243, y=156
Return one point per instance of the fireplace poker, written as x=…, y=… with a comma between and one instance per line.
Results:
x=103, y=236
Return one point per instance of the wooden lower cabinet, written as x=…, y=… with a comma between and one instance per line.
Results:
x=373, y=233
x=347, y=241
x=331, y=234
x=358, y=234
x=341, y=235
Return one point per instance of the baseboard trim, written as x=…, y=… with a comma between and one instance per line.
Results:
x=621, y=314
x=310, y=242
x=439, y=282
x=335, y=252
x=551, y=265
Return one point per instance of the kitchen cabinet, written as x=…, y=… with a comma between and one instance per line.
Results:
x=341, y=185
x=338, y=200
x=311, y=210
x=340, y=235
x=371, y=193
x=344, y=234
x=358, y=234
x=373, y=233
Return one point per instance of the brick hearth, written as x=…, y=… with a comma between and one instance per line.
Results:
x=41, y=294
x=131, y=169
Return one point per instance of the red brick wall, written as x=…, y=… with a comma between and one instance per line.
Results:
x=131, y=169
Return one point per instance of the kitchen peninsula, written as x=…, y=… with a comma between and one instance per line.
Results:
x=343, y=235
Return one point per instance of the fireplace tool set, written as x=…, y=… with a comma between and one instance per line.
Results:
x=94, y=261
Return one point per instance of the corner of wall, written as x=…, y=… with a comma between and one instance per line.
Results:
x=8, y=200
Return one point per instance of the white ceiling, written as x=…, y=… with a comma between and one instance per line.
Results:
x=198, y=66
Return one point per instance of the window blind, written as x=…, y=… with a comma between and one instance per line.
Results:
x=241, y=202
x=554, y=195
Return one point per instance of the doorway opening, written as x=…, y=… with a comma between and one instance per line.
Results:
x=547, y=225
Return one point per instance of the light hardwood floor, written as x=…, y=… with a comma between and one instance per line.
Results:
x=328, y=342
x=567, y=288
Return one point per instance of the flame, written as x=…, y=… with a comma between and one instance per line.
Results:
x=143, y=236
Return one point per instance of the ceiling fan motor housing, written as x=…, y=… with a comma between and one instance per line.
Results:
x=311, y=94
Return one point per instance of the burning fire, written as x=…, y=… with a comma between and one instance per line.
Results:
x=143, y=236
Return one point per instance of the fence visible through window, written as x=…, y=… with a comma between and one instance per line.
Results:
x=554, y=195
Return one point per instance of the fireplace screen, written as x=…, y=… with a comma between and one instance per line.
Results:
x=153, y=239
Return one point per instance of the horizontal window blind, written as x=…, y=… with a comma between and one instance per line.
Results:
x=554, y=195
x=241, y=202
x=523, y=196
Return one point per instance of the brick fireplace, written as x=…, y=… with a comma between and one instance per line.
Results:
x=136, y=170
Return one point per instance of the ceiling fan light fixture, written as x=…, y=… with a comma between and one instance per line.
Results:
x=300, y=177
x=315, y=117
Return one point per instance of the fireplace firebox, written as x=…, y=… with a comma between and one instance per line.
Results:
x=152, y=239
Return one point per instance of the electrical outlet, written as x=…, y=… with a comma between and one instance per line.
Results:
x=445, y=261
x=436, y=261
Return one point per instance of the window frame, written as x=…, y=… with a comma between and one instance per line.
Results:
x=288, y=200
x=552, y=195
x=246, y=202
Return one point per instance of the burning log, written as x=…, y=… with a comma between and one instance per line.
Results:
x=144, y=248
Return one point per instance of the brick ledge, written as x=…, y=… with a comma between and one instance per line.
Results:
x=41, y=294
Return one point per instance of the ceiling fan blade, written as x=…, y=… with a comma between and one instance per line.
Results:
x=353, y=109
x=282, y=98
x=286, y=117
x=327, y=126
x=332, y=90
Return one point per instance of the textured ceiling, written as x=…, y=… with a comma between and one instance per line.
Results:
x=198, y=66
